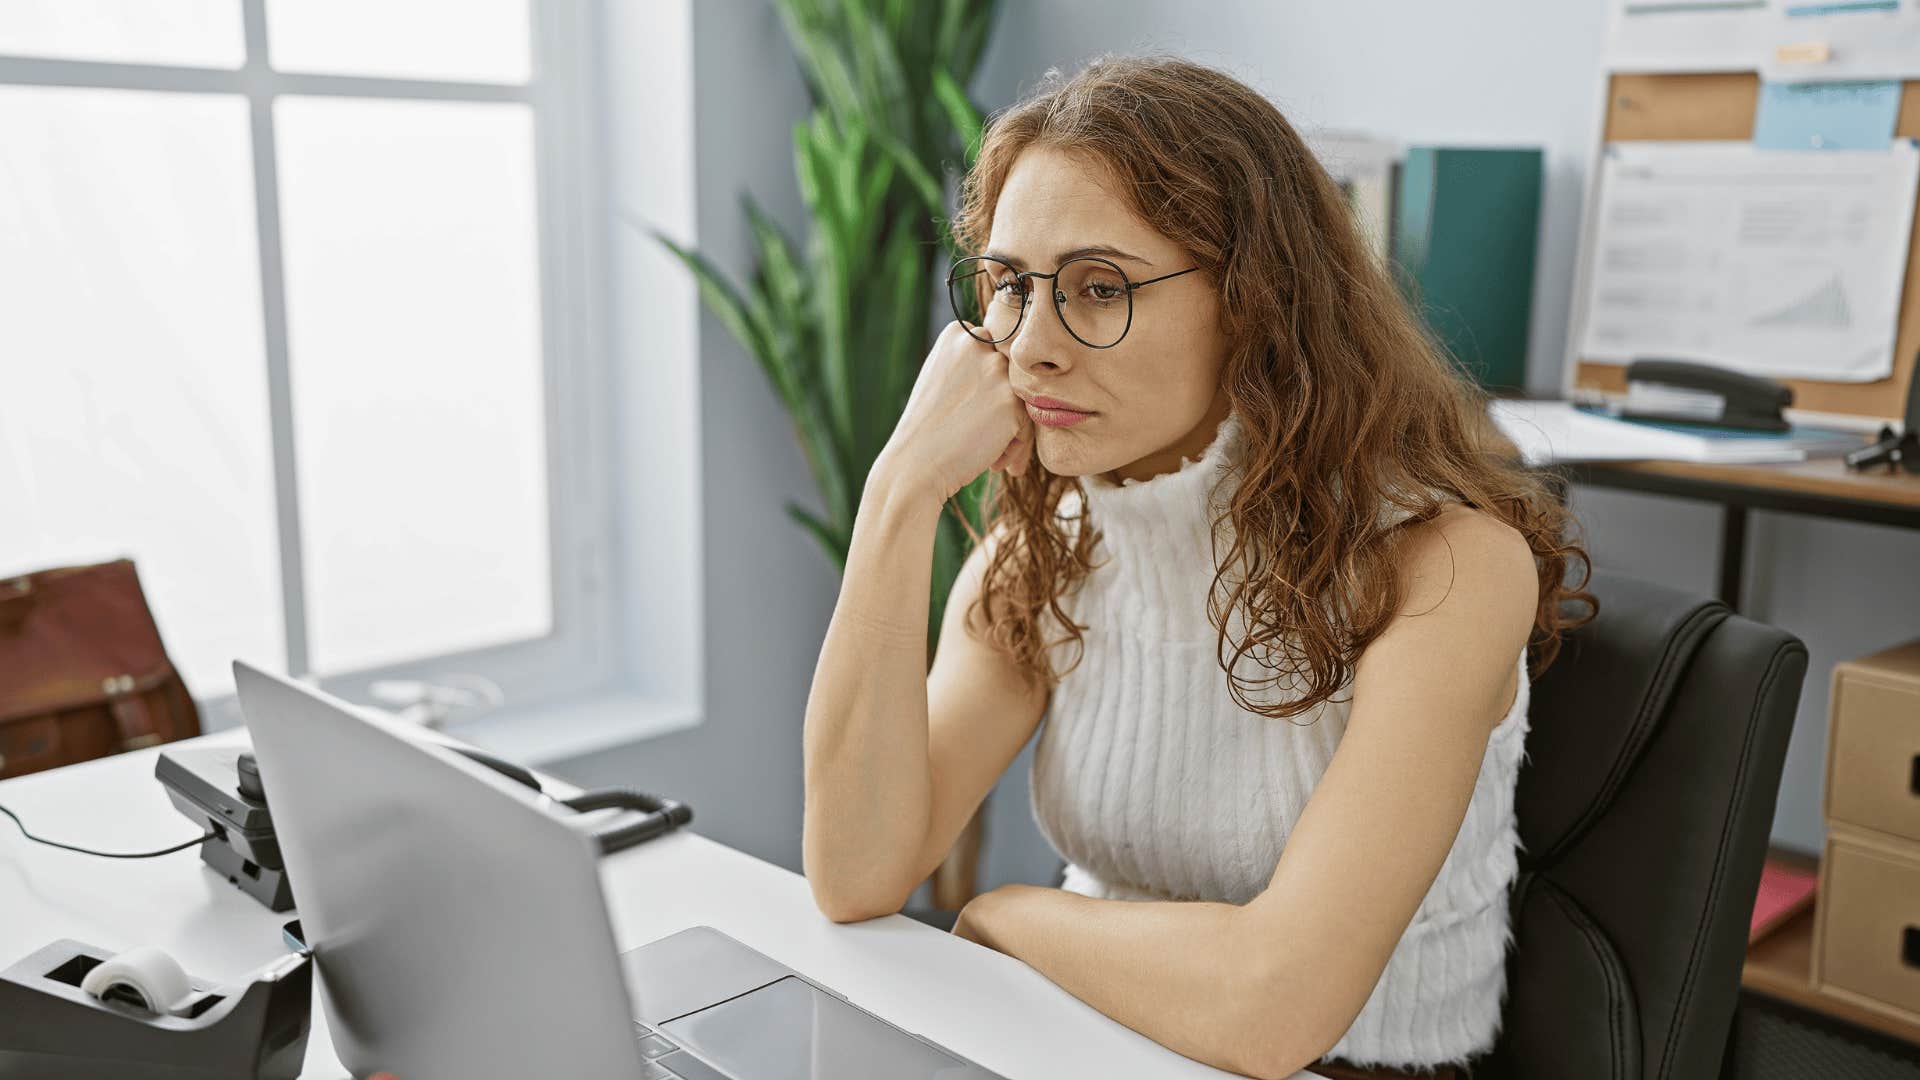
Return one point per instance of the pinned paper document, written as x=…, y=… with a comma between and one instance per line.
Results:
x=1787, y=40
x=1826, y=115
x=1843, y=39
x=1770, y=262
x=1689, y=35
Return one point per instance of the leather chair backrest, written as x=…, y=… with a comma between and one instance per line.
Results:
x=1644, y=805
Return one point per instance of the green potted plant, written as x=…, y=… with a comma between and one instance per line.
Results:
x=841, y=326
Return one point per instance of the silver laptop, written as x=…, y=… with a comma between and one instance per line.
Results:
x=460, y=932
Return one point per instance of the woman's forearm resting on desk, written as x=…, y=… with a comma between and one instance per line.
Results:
x=867, y=785
x=1195, y=977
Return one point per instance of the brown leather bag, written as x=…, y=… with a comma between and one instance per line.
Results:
x=82, y=670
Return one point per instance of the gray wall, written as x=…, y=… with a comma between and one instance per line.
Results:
x=1511, y=72
x=768, y=591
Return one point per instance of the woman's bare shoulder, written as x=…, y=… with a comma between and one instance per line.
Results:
x=1462, y=546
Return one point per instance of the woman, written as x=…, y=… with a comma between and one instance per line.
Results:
x=1257, y=557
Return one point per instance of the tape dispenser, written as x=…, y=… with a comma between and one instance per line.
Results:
x=72, y=1011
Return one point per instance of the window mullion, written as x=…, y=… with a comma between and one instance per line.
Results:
x=273, y=298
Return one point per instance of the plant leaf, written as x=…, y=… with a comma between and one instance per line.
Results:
x=907, y=274
x=910, y=166
x=828, y=537
x=807, y=171
x=815, y=38
x=786, y=282
x=833, y=256
x=735, y=313
x=961, y=112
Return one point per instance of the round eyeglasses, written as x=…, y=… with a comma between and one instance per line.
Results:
x=1092, y=296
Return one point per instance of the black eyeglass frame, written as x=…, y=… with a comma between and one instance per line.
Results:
x=1024, y=277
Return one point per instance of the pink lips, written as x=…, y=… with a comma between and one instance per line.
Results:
x=1054, y=413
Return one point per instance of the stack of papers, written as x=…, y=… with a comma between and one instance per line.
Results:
x=1555, y=431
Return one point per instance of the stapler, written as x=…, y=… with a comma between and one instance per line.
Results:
x=1684, y=392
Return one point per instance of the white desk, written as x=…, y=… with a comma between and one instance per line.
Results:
x=988, y=1006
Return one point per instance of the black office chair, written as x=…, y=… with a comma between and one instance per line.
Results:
x=1645, y=803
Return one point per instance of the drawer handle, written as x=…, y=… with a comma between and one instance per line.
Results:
x=1910, y=946
x=1914, y=781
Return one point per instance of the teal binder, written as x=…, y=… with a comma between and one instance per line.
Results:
x=1465, y=223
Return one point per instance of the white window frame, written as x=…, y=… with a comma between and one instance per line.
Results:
x=577, y=654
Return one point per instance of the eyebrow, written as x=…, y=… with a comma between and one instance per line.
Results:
x=1105, y=250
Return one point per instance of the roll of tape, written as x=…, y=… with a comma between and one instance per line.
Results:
x=148, y=973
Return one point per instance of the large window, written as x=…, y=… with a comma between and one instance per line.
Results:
x=291, y=313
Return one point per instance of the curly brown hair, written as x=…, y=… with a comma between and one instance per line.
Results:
x=1346, y=402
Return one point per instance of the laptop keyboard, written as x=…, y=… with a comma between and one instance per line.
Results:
x=654, y=1045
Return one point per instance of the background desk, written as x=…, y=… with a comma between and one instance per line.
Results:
x=1823, y=487
x=981, y=1003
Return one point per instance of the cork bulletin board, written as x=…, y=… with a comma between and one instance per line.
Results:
x=1721, y=105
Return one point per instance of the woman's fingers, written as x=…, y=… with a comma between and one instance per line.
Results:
x=1022, y=448
x=1006, y=456
x=1020, y=463
x=1015, y=457
x=1015, y=450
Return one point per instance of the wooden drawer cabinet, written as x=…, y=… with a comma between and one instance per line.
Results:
x=1873, y=752
x=1866, y=945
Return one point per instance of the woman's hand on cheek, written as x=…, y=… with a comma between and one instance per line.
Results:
x=961, y=418
x=1019, y=453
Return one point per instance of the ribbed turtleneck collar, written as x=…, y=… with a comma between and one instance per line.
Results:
x=1183, y=491
x=1159, y=542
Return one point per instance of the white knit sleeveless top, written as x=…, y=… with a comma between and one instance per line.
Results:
x=1153, y=783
